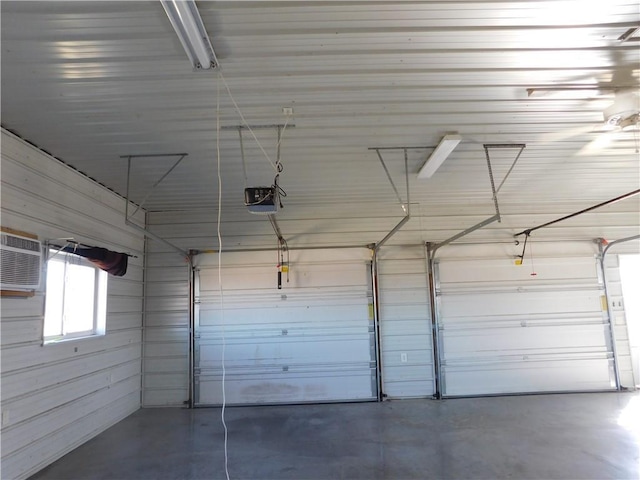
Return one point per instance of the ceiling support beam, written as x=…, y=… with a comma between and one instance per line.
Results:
x=271, y=249
x=258, y=127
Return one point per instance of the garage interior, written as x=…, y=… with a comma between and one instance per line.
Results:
x=345, y=239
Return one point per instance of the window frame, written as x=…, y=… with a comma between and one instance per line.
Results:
x=100, y=292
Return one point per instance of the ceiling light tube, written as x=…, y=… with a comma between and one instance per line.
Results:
x=186, y=21
x=439, y=155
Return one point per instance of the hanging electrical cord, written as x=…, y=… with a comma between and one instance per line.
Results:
x=222, y=319
x=279, y=265
x=278, y=190
x=283, y=267
x=286, y=266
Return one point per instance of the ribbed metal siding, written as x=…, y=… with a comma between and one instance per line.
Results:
x=56, y=397
x=311, y=341
x=506, y=331
x=113, y=77
x=166, y=327
x=405, y=323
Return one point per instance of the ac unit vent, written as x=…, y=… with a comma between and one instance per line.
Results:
x=21, y=262
x=20, y=243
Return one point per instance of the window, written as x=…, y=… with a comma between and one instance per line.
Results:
x=76, y=298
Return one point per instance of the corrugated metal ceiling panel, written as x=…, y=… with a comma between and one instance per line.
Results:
x=92, y=81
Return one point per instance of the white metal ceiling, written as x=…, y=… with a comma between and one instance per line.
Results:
x=91, y=81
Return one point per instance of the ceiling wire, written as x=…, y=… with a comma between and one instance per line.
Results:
x=222, y=319
x=246, y=124
x=281, y=134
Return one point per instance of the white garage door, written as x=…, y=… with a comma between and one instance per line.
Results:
x=504, y=330
x=405, y=323
x=311, y=341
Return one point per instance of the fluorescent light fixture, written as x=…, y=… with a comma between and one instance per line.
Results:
x=186, y=21
x=439, y=155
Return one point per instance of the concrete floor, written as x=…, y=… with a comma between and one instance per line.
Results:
x=572, y=436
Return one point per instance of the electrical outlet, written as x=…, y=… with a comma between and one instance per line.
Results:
x=5, y=417
x=287, y=111
x=403, y=357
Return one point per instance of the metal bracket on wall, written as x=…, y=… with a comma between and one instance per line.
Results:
x=127, y=217
x=477, y=226
x=406, y=206
x=153, y=155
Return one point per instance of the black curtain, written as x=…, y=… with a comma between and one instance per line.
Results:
x=114, y=263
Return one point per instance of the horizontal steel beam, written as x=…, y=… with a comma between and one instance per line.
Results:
x=257, y=127
x=151, y=155
x=403, y=148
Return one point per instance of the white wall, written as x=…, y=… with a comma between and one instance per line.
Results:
x=57, y=397
x=403, y=307
x=166, y=328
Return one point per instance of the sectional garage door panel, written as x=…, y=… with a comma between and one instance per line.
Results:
x=405, y=323
x=311, y=341
x=503, y=330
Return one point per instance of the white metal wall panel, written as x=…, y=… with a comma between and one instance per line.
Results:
x=56, y=397
x=405, y=323
x=311, y=341
x=166, y=331
x=504, y=330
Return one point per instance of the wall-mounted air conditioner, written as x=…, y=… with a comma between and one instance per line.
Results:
x=21, y=262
